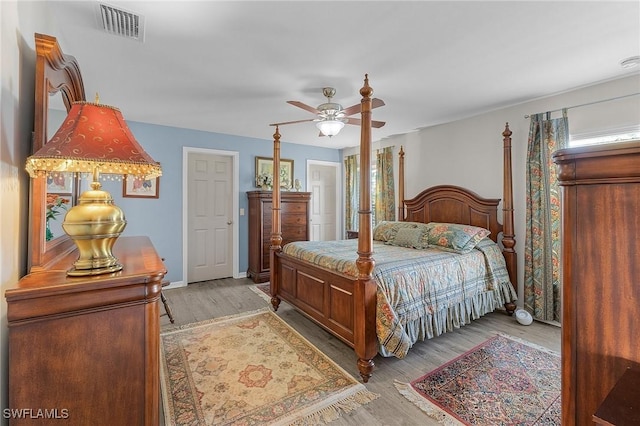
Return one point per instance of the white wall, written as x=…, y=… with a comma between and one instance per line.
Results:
x=18, y=23
x=468, y=152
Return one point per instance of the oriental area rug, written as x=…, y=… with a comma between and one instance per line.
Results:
x=503, y=381
x=251, y=369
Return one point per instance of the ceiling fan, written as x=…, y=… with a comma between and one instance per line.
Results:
x=331, y=117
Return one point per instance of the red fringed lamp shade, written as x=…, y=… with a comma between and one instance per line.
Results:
x=93, y=136
x=95, y=139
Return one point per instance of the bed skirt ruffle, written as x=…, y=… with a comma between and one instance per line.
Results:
x=448, y=319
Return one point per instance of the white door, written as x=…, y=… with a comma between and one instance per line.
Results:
x=322, y=182
x=209, y=217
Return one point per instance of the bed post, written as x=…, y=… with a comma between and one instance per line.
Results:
x=508, y=235
x=276, y=230
x=401, y=212
x=365, y=339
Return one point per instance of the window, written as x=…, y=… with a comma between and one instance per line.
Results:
x=372, y=188
x=606, y=136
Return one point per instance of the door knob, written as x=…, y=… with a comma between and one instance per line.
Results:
x=229, y=222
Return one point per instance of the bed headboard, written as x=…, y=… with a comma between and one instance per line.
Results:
x=453, y=204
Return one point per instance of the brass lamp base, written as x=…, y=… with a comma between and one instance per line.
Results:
x=94, y=224
x=73, y=272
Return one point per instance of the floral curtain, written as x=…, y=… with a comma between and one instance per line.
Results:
x=384, y=198
x=352, y=192
x=542, y=283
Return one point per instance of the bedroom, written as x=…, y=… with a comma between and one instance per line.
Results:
x=485, y=129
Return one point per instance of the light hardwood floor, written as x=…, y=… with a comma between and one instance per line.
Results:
x=211, y=299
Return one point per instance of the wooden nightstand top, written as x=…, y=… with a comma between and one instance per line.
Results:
x=622, y=406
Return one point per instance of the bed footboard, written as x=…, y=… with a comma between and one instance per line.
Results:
x=332, y=300
x=325, y=297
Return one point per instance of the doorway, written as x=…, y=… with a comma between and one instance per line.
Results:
x=323, y=181
x=210, y=222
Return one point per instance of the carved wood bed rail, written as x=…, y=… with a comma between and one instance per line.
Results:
x=346, y=306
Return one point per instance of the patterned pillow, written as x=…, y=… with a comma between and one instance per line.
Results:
x=386, y=229
x=407, y=237
x=454, y=237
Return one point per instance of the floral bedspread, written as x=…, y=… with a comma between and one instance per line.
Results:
x=421, y=293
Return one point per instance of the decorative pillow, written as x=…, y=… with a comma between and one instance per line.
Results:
x=386, y=229
x=407, y=237
x=455, y=237
x=426, y=227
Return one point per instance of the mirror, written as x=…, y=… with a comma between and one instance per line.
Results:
x=58, y=82
x=60, y=186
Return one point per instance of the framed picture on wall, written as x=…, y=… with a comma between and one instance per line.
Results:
x=136, y=187
x=60, y=183
x=264, y=167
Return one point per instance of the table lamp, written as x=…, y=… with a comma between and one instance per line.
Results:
x=94, y=138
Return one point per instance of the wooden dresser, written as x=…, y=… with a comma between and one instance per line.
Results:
x=294, y=209
x=601, y=273
x=87, y=348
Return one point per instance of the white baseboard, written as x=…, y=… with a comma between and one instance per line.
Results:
x=175, y=284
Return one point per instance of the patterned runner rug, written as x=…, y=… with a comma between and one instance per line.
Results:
x=503, y=381
x=263, y=290
x=251, y=369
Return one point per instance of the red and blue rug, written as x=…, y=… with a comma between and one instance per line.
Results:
x=503, y=381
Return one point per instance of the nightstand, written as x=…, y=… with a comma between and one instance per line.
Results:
x=352, y=235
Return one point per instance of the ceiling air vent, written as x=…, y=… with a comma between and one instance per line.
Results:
x=121, y=22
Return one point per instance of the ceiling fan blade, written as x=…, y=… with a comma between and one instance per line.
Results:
x=375, y=103
x=357, y=122
x=304, y=106
x=291, y=122
x=354, y=109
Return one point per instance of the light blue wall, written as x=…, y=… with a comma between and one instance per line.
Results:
x=161, y=219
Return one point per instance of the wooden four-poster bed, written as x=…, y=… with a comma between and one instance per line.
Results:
x=348, y=302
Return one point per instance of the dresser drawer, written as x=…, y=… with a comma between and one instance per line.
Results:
x=290, y=219
x=295, y=233
x=293, y=208
x=294, y=219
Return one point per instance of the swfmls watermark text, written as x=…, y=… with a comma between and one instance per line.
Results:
x=35, y=413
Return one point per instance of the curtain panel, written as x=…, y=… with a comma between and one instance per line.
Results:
x=542, y=275
x=352, y=192
x=385, y=197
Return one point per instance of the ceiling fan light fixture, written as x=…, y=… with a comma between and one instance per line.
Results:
x=330, y=127
x=330, y=108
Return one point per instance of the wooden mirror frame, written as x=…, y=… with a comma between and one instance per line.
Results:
x=56, y=73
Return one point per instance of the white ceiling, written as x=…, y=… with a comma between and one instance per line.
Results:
x=230, y=66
